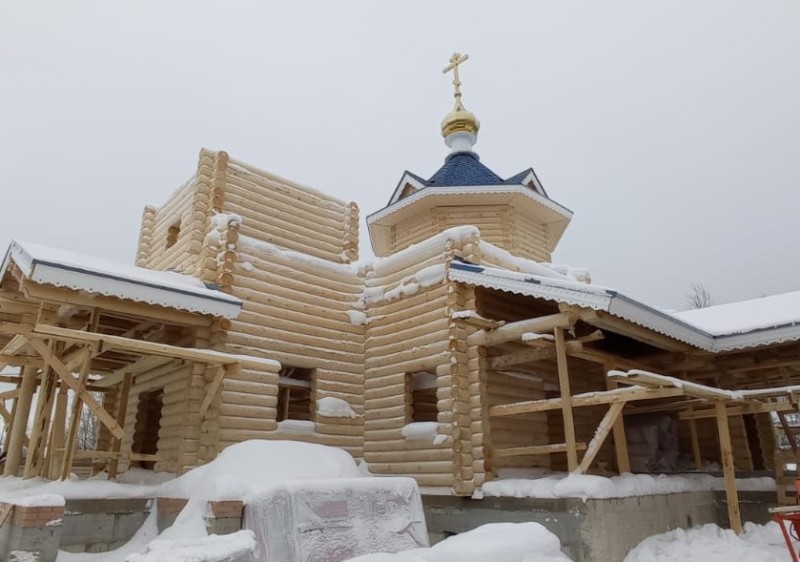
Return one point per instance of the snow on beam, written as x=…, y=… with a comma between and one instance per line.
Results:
x=514, y=330
x=697, y=390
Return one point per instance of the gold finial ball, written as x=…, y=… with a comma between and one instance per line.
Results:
x=460, y=121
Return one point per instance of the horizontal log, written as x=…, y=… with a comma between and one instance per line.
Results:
x=535, y=450
x=411, y=467
x=598, y=398
x=514, y=330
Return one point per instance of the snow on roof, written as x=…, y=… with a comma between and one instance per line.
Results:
x=61, y=268
x=746, y=316
x=743, y=325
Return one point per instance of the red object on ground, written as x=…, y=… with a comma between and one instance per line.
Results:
x=792, y=519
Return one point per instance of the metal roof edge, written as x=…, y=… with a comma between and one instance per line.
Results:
x=434, y=190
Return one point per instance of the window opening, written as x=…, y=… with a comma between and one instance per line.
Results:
x=421, y=393
x=295, y=394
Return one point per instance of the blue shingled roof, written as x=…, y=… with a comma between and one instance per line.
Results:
x=464, y=168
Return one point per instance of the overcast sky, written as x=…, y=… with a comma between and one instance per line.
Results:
x=671, y=129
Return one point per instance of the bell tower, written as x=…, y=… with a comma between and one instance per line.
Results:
x=514, y=213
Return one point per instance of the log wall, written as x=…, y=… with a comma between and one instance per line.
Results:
x=409, y=330
x=291, y=216
x=506, y=387
x=500, y=225
x=302, y=311
x=172, y=377
x=188, y=210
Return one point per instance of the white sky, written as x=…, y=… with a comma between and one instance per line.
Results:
x=671, y=128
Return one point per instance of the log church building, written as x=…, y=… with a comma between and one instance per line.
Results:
x=455, y=353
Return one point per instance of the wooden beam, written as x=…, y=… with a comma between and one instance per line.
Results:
x=518, y=357
x=13, y=346
x=293, y=383
x=605, y=321
x=788, y=431
x=604, y=358
x=698, y=459
x=122, y=410
x=105, y=455
x=536, y=450
x=728, y=469
x=20, y=361
x=620, y=439
x=74, y=420
x=600, y=434
x=217, y=373
x=514, y=330
x=18, y=435
x=41, y=418
x=566, y=400
x=150, y=348
x=629, y=394
x=739, y=410
x=102, y=415
x=5, y=414
x=56, y=445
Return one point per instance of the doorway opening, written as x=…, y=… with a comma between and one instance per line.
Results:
x=148, y=422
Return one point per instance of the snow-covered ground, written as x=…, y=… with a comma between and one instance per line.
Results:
x=249, y=469
x=503, y=542
x=709, y=543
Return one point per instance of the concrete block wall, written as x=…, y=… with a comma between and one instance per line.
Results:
x=223, y=517
x=597, y=530
x=30, y=530
x=99, y=525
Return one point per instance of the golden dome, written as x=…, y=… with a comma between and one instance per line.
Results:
x=460, y=120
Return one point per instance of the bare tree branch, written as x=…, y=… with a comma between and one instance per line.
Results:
x=699, y=297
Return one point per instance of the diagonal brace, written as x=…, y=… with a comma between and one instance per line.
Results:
x=86, y=397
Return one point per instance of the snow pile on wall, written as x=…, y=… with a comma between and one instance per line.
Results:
x=241, y=471
x=506, y=542
x=332, y=407
x=709, y=543
x=586, y=486
x=253, y=467
x=136, y=483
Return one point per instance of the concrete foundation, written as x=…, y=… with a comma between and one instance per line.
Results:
x=30, y=531
x=597, y=530
x=99, y=525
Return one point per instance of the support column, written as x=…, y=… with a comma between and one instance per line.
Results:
x=566, y=400
x=56, y=448
x=728, y=469
x=620, y=439
x=75, y=417
x=122, y=411
x=18, y=431
x=698, y=458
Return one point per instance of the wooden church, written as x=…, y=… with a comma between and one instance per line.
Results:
x=457, y=352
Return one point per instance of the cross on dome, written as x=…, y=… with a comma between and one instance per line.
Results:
x=459, y=127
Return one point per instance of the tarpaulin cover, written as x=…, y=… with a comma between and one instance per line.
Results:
x=333, y=520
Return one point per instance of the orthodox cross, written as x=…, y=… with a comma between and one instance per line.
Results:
x=455, y=60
